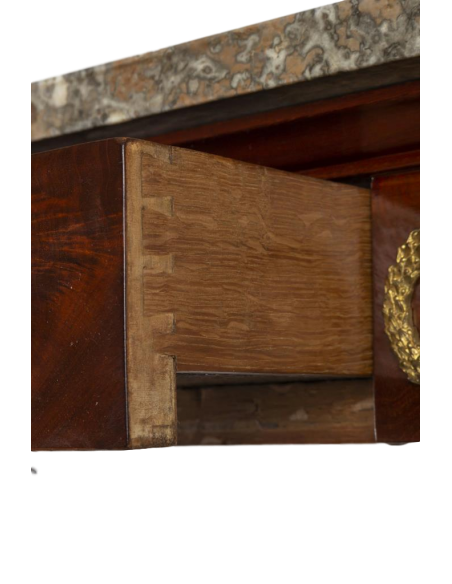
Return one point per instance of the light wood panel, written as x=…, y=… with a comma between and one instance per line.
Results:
x=261, y=271
x=239, y=269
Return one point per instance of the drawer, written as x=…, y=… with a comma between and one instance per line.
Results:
x=153, y=266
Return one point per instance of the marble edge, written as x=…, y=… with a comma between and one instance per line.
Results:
x=342, y=37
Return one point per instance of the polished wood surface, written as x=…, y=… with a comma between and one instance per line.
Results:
x=253, y=270
x=367, y=167
x=395, y=213
x=323, y=412
x=345, y=136
x=78, y=391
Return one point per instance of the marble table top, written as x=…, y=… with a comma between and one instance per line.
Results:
x=342, y=37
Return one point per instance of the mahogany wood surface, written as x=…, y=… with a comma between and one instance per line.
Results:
x=78, y=392
x=395, y=213
x=349, y=135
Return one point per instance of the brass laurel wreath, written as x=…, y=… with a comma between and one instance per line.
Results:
x=397, y=310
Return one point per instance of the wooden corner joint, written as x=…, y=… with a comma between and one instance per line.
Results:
x=151, y=377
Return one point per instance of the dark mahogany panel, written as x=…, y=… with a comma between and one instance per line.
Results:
x=395, y=213
x=78, y=369
x=355, y=134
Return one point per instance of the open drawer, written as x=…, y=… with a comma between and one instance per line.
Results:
x=156, y=268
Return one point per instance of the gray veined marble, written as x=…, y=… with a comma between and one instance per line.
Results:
x=347, y=36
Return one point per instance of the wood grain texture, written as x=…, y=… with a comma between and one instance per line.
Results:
x=151, y=375
x=146, y=257
x=395, y=213
x=367, y=167
x=323, y=412
x=249, y=269
x=85, y=393
x=354, y=134
x=78, y=390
